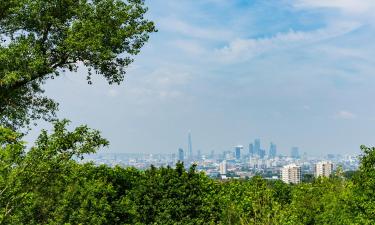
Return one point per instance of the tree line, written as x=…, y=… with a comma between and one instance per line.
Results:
x=46, y=184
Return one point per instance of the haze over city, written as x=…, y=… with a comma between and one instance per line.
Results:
x=297, y=73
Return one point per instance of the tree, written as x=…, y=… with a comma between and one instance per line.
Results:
x=173, y=196
x=31, y=182
x=40, y=39
x=249, y=202
x=363, y=204
x=308, y=178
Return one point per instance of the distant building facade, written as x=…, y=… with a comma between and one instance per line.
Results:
x=272, y=152
x=180, y=155
x=223, y=167
x=262, y=153
x=237, y=152
x=291, y=174
x=190, y=147
x=294, y=153
x=323, y=169
x=251, y=150
x=257, y=147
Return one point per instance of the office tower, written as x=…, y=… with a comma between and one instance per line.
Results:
x=272, y=152
x=294, y=153
x=223, y=168
x=212, y=154
x=251, y=150
x=257, y=147
x=180, y=155
x=190, y=147
x=262, y=153
x=237, y=151
x=291, y=174
x=323, y=169
x=199, y=155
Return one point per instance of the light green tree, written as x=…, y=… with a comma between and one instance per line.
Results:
x=31, y=182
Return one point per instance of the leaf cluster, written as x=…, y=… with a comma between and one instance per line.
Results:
x=41, y=39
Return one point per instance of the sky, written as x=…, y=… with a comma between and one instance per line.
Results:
x=294, y=72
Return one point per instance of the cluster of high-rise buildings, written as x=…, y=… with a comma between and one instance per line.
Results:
x=255, y=159
x=254, y=151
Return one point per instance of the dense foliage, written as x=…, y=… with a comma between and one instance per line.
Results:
x=47, y=185
x=39, y=39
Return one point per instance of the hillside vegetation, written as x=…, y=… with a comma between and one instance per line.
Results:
x=46, y=185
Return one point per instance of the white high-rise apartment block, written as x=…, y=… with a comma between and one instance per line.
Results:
x=291, y=174
x=323, y=169
x=223, y=167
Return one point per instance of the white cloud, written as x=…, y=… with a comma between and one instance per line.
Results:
x=346, y=6
x=361, y=11
x=244, y=49
x=168, y=77
x=346, y=115
x=164, y=83
x=190, y=47
x=181, y=27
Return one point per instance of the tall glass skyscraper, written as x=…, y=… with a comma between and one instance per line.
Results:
x=295, y=153
x=272, y=152
x=180, y=154
x=237, y=151
x=251, y=149
x=257, y=147
x=190, y=147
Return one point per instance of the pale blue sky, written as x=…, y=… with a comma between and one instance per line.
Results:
x=295, y=72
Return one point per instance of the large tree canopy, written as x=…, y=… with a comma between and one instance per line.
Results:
x=40, y=38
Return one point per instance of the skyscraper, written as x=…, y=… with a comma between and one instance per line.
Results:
x=262, y=153
x=237, y=151
x=251, y=150
x=272, y=152
x=323, y=169
x=257, y=147
x=291, y=174
x=190, y=147
x=295, y=153
x=180, y=155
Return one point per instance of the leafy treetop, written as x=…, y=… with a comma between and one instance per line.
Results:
x=40, y=39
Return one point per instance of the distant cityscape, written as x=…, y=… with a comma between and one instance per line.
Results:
x=238, y=163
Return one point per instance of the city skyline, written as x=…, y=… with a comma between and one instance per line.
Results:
x=293, y=72
x=255, y=148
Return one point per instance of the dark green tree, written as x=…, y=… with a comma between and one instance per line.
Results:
x=40, y=39
x=308, y=178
